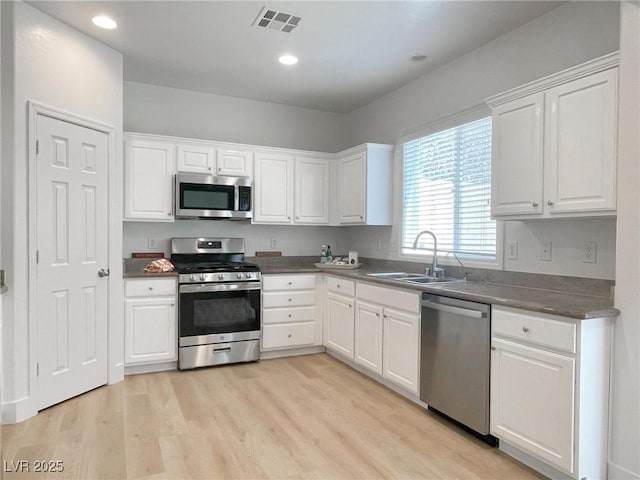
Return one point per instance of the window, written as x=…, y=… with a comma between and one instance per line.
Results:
x=447, y=189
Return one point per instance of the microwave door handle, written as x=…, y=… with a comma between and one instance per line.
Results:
x=236, y=198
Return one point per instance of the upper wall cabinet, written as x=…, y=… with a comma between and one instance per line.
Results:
x=364, y=184
x=235, y=163
x=554, y=145
x=149, y=167
x=196, y=158
x=291, y=189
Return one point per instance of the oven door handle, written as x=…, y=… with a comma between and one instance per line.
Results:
x=219, y=287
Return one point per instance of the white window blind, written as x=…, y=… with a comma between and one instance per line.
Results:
x=447, y=189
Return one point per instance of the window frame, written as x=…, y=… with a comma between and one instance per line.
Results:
x=444, y=123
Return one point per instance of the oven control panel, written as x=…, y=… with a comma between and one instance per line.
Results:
x=219, y=277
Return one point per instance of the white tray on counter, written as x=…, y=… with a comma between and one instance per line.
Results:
x=338, y=267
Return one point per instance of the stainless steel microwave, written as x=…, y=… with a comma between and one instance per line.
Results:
x=209, y=196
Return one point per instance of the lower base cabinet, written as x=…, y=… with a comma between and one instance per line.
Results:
x=289, y=313
x=368, y=336
x=150, y=320
x=400, y=354
x=549, y=388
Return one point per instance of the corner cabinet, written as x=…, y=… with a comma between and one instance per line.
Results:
x=149, y=167
x=364, y=184
x=549, y=389
x=554, y=145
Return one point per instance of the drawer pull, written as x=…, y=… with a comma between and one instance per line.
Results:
x=525, y=329
x=289, y=283
x=493, y=348
x=289, y=300
x=378, y=315
x=289, y=335
x=221, y=350
x=150, y=288
x=289, y=315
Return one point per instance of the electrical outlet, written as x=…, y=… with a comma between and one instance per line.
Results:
x=152, y=243
x=590, y=252
x=512, y=251
x=545, y=251
x=273, y=243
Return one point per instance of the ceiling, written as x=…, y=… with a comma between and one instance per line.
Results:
x=351, y=52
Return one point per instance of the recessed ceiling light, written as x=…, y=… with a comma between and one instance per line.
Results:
x=103, y=21
x=288, y=60
x=418, y=58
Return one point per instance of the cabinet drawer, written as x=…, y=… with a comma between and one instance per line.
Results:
x=543, y=330
x=341, y=285
x=288, y=282
x=288, y=335
x=390, y=297
x=150, y=287
x=288, y=299
x=288, y=315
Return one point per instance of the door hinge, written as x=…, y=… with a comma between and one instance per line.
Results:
x=37, y=256
x=37, y=147
x=37, y=369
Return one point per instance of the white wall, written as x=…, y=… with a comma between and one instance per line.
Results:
x=184, y=113
x=48, y=62
x=296, y=240
x=569, y=35
x=625, y=404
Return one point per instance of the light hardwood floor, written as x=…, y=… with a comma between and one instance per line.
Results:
x=308, y=417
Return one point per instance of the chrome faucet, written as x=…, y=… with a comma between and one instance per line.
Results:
x=436, y=272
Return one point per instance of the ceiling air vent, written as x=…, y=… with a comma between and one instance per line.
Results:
x=282, y=21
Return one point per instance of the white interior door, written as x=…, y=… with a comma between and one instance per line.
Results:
x=71, y=243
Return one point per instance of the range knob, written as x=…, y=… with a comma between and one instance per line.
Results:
x=192, y=278
x=239, y=275
x=203, y=277
x=220, y=276
x=247, y=275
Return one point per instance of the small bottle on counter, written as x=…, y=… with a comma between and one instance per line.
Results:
x=323, y=254
x=329, y=255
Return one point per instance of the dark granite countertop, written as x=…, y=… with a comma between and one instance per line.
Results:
x=566, y=304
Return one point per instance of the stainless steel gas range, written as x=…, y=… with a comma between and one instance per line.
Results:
x=219, y=302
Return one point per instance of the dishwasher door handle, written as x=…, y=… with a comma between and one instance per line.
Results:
x=458, y=310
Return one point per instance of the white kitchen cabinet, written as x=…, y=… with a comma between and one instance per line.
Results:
x=149, y=167
x=196, y=158
x=311, y=187
x=234, y=162
x=340, y=316
x=517, y=154
x=150, y=321
x=273, y=188
x=388, y=333
x=364, y=184
x=368, y=336
x=289, y=318
x=549, y=389
x=554, y=145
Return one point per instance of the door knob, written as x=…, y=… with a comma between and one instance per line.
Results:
x=103, y=272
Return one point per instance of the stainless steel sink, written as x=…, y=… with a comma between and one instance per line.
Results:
x=397, y=275
x=426, y=280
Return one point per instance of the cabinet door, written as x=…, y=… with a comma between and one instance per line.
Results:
x=532, y=401
x=400, y=348
x=517, y=156
x=311, y=191
x=148, y=180
x=580, y=159
x=196, y=158
x=368, y=336
x=340, y=324
x=273, y=188
x=150, y=331
x=352, y=189
x=236, y=163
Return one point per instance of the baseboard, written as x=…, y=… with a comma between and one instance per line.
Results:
x=291, y=352
x=18, y=411
x=616, y=472
x=150, y=368
x=533, y=462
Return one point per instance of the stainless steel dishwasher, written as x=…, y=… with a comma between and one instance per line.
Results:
x=455, y=361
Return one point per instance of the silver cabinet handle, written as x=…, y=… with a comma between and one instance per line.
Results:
x=169, y=214
x=378, y=315
x=549, y=202
x=457, y=310
x=290, y=283
x=289, y=315
x=289, y=335
x=534, y=204
x=525, y=329
x=289, y=299
x=493, y=348
x=209, y=168
x=103, y=272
